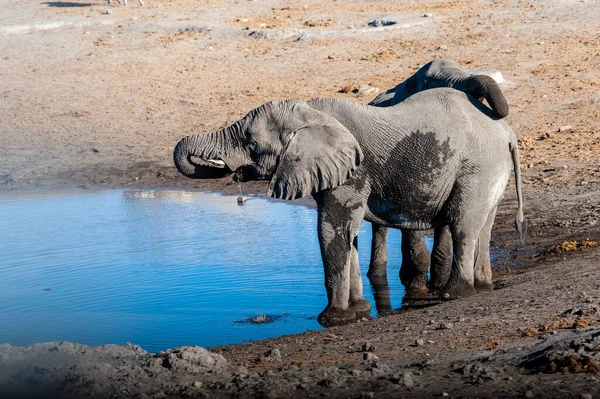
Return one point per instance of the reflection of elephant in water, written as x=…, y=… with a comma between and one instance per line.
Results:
x=436, y=159
x=415, y=254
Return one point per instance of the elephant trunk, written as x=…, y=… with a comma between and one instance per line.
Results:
x=483, y=86
x=199, y=156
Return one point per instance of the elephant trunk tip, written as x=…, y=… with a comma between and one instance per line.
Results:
x=493, y=95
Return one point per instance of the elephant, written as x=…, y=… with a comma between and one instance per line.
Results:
x=415, y=254
x=435, y=159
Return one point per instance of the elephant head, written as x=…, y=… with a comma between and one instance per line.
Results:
x=300, y=150
x=446, y=73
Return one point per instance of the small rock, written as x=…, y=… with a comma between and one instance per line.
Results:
x=368, y=347
x=444, y=393
x=428, y=15
x=273, y=355
x=94, y=150
x=241, y=20
x=366, y=90
x=408, y=380
x=540, y=43
x=431, y=322
x=585, y=396
x=445, y=326
x=197, y=384
x=560, y=166
x=241, y=200
x=545, y=180
x=107, y=12
x=528, y=394
x=443, y=47
x=565, y=128
x=529, y=166
x=420, y=342
x=381, y=22
x=370, y=356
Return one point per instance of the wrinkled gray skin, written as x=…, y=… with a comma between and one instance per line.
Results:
x=436, y=159
x=415, y=254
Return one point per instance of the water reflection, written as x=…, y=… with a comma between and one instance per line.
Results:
x=163, y=268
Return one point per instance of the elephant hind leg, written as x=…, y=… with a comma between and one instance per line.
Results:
x=441, y=258
x=483, y=266
x=415, y=261
x=378, y=264
x=461, y=281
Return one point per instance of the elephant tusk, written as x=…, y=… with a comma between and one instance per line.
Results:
x=216, y=162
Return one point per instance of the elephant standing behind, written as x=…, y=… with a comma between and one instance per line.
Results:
x=435, y=159
x=415, y=254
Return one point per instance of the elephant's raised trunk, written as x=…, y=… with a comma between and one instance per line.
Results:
x=483, y=86
x=199, y=156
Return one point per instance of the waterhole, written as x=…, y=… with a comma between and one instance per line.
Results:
x=162, y=268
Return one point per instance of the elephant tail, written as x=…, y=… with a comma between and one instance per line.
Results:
x=520, y=222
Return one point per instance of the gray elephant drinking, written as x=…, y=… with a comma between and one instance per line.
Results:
x=415, y=255
x=436, y=159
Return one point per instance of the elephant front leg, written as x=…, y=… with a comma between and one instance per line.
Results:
x=378, y=264
x=337, y=230
x=441, y=258
x=483, y=264
x=415, y=261
x=360, y=305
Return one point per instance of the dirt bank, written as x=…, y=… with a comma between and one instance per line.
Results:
x=91, y=98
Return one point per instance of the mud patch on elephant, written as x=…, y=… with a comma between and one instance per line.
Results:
x=423, y=146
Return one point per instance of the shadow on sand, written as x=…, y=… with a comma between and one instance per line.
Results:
x=66, y=4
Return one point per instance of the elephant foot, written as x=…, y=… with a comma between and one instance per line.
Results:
x=332, y=316
x=416, y=293
x=458, y=290
x=361, y=306
x=437, y=283
x=484, y=286
x=377, y=270
x=413, y=280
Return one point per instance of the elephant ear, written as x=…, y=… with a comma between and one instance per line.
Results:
x=319, y=155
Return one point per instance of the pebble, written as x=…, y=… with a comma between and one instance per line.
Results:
x=446, y=326
x=376, y=23
x=529, y=394
x=95, y=150
x=565, y=128
x=107, y=12
x=420, y=342
x=197, y=384
x=443, y=47
x=444, y=393
x=560, y=166
x=274, y=354
x=408, y=380
x=428, y=15
x=586, y=396
x=530, y=166
x=368, y=347
x=370, y=356
x=366, y=90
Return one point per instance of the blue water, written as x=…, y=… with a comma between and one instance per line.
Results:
x=161, y=268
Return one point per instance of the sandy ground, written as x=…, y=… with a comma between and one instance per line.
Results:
x=91, y=98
